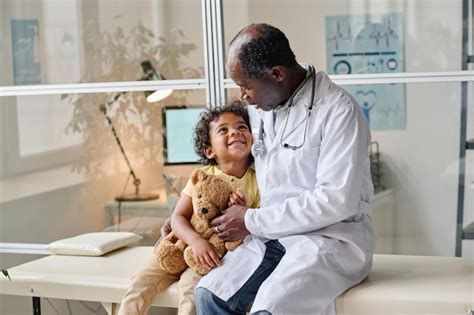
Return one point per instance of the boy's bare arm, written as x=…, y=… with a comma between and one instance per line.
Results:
x=180, y=220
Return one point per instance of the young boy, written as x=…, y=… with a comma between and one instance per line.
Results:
x=223, y=141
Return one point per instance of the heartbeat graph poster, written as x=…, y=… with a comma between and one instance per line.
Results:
x=358, y=44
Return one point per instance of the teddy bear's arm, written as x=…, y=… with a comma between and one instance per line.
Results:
x=202, y=227
x=232, y=245
x=181, y=245
x=208, y=233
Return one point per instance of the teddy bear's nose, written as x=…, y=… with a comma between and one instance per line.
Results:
x=204, y=210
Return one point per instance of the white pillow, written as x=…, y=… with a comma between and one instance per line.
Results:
x=92, y=244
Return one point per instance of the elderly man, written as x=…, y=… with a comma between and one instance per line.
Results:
x=312, y=238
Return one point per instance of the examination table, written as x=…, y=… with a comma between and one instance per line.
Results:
x=397, y=284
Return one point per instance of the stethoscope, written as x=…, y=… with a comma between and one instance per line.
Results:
x=258, y=148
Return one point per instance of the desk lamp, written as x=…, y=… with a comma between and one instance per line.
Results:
x=151, y=96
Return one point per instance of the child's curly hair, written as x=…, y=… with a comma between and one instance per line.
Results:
x=202, y=139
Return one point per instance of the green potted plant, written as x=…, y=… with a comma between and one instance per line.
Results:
x=5, y=273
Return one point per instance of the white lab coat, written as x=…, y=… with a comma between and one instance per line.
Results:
x=314, y=200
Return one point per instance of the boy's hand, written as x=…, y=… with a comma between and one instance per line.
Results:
x=206, y=254
x=237, y=197
x=166, y=227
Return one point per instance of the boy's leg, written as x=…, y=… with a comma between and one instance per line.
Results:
x=209, y=304
x=145, y=285
x=186, y=285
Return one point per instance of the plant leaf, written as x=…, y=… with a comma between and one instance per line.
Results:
x=5, y=273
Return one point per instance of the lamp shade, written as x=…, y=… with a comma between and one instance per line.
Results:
x=150, y=73
x=158, y=95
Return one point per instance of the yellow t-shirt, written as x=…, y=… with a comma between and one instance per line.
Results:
x=248, y=184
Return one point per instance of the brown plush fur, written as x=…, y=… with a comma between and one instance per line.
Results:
x=210, y=196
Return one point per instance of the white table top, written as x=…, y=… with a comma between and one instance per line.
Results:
x=397, y=284
x=405, y=284
x=101, y=279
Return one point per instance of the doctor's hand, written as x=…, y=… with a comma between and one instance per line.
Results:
x=230, y=226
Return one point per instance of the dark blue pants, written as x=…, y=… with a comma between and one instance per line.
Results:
x=241, y=302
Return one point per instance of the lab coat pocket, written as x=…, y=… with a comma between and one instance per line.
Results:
x=305, y=249
x=336, y=253
x=304, y=165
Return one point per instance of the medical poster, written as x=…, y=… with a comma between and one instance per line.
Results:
x=25, y=46
x=372, y=43
x=61, y=42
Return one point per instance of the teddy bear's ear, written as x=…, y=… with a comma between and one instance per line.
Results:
x=197, y=175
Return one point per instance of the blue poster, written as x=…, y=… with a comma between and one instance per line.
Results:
x=25, y=51
x=370, y=44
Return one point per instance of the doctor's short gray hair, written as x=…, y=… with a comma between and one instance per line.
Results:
x=268, y=49
x=202, y=139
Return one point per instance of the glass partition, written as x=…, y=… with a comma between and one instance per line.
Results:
x=76, y=120
x=418, y=145
x=62, y=169
x=63, y=165
x=53, y=42
x=359, y=36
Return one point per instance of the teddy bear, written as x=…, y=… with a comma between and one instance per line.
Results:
x=210, y=195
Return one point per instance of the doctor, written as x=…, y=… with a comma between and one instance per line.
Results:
x=312, y=238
